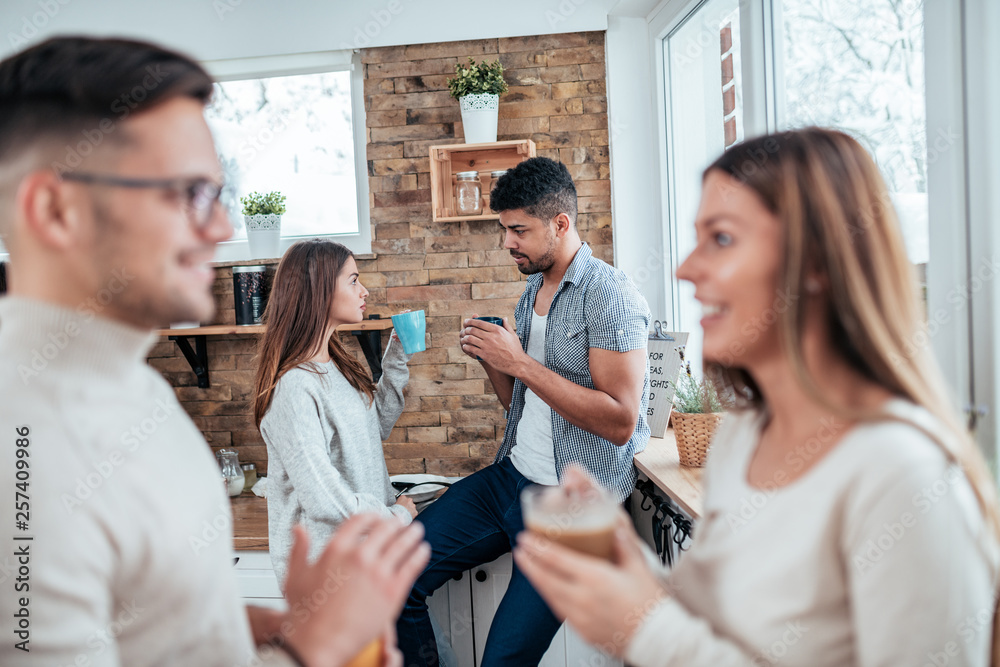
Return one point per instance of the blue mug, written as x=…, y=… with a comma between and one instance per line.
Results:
x=411, y=327
x=492, y=320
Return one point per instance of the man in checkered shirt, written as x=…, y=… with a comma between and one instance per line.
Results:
x=574, y=381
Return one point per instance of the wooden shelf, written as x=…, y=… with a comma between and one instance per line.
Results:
x=236, y=329
x=215, y=330
x=368, y=333
x=448, y=160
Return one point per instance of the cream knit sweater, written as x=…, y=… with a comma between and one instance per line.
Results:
x=877, y=556
x=130, y=561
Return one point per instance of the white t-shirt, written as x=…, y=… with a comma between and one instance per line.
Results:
x=534, y=454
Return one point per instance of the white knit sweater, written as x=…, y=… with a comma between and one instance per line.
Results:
x=131, y=557
x=877, y=556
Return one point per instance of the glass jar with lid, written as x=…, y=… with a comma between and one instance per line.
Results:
x=249, y=475
x=229, y=461
x=468, y=193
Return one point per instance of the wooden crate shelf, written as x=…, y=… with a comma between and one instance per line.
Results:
x=446, y=161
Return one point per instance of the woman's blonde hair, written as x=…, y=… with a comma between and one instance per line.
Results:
x=838, y=221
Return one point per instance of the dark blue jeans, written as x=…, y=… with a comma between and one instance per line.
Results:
x=476, y=521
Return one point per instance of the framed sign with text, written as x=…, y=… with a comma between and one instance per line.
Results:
x=664, y=369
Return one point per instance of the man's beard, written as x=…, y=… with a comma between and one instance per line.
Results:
x=543, y=263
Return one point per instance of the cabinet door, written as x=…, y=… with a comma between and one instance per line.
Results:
x=255, y=575
x=451, y=608
x=489, y=583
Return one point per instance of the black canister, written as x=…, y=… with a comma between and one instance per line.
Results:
x=249, y=293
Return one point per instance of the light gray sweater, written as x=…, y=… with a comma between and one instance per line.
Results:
x=324, y=450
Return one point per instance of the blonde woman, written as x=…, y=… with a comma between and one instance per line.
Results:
x=874, y=535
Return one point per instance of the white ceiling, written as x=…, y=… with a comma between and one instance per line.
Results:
x=223, y=29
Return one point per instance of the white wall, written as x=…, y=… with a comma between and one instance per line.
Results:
x=223, y=29
x=635, y=181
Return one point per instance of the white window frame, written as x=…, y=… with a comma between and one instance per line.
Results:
x=962, y=96
x=758, y=113
x=309, y=63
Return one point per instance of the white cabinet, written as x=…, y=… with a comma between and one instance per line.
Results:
x=255, y=579
x=489, y=583
x=451, y=609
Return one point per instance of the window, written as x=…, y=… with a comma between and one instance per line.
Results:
x=792, y=63
x=295, y=125
x=860, y=68
x=703, y=82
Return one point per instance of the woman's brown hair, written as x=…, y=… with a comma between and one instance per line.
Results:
x=838, y=221
x=297, y=318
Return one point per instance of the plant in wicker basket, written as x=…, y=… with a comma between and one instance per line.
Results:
x=698, y=407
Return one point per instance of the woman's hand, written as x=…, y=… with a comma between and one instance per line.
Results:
x=407, y=503
x=604, y=602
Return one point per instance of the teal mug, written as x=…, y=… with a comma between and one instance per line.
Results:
x=411, y=328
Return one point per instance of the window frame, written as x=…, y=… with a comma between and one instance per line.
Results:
x=960, y=197
x=668, y=17
x=242, y=69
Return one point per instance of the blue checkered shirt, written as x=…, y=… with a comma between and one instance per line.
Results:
x=595, y=305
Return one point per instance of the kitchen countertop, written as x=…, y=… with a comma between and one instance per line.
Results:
x=658, y=462
x=249, y=522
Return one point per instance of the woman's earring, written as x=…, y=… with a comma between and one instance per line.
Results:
x=812, y=286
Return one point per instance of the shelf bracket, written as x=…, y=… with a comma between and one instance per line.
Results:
x=197, y=357
x=371, y=345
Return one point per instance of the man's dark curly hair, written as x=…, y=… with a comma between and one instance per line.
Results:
x=540, y=187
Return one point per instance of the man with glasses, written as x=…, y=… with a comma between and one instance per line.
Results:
x=115, y=530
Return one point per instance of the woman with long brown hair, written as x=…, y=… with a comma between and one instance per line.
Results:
x=322, y=417
x=849, y=518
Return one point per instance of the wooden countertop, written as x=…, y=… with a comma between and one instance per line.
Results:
x=659, y=462
x=249, y=522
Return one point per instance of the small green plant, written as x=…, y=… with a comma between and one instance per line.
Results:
x=473, y=79
x=693, y=396
x=257, y=203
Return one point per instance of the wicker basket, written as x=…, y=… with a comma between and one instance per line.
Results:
x=694, y=433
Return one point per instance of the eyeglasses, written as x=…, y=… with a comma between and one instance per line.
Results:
x=198, y=195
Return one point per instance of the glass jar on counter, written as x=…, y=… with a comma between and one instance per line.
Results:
x=468, y=193
x=249, y=475
x=229, y=461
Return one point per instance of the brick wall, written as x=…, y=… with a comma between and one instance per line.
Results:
x=452, y=423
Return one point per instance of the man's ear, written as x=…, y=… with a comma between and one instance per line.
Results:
x=46, y=209
x=563, y=224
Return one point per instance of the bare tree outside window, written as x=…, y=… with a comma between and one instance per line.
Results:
x=859, y=67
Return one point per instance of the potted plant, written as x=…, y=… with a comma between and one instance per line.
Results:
x=697, y=411
x=478, y=89
x=262, y=215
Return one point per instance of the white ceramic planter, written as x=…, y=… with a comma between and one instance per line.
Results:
x=264, y=235
x=479, y=117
